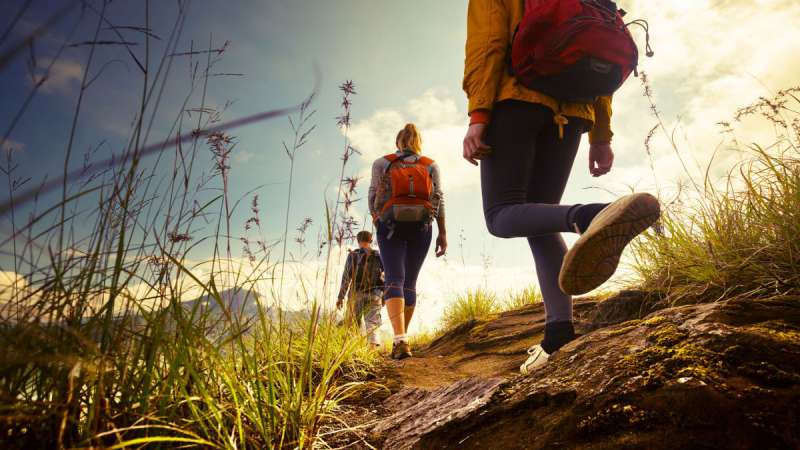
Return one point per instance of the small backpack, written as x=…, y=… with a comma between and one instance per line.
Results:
x=411, y=189
x=574, y=50
x=368, y=271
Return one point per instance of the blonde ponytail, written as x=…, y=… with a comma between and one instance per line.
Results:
x=409, y=139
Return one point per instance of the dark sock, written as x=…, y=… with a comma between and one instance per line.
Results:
x=582, y=215
x=557, y=335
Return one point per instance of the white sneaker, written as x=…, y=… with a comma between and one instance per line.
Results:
x=537, y=358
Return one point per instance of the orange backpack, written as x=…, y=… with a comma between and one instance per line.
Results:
x=412, y=189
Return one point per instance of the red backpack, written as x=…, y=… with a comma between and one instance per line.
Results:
x=574, y=50
x=411, y=189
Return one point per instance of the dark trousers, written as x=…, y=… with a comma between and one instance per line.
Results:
x=403, y=250
x=522, y=182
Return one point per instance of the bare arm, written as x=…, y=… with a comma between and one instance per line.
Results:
x=438, y=204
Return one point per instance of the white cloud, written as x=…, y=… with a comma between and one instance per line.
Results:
x=13, y=295
x=711, y=58
x=243, y=156
x=441, y=124
x=64, y=77
x=9, y=282
x=10, y=145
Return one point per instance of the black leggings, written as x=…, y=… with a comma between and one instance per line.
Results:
x=522, y=183
x=402, y=255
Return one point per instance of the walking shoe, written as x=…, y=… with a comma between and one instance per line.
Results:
x=595, y=256
x=537, y=357
x=401, y=350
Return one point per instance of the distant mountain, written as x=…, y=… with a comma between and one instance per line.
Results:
x=242, y=304
x=238, y=301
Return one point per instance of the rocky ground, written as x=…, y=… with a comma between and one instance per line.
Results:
x=718, y=375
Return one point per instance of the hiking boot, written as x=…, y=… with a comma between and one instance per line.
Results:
x=401, y=350
x=537, y=357
x=595, y=256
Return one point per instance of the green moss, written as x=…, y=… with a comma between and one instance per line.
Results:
x=654, y=321
x=624, y=328
x=670, y=356
x=779, y=332
x=667, y=335
x=631, y=323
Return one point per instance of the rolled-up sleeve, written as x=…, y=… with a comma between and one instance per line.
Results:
x=486, y=48
x=601, y=132
x=437, y=199
x=347, y=276
x=378, y=169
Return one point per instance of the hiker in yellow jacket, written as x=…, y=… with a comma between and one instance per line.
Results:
x=526, y=143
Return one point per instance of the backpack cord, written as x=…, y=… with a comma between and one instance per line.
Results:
x=646, y=26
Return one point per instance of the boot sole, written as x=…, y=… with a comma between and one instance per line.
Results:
x=595, y=256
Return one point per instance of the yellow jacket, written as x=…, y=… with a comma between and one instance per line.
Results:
x=490, y=28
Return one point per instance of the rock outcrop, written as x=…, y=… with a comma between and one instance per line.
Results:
x=718, y=375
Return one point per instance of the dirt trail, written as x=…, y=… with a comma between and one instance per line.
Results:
x=486, y=352
x=488, y=349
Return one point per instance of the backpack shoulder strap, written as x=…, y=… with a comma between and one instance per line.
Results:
x=425, y=161
x=393, y=158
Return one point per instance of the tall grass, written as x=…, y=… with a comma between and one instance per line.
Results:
x=98, y=347
x=738, y=237
x=471, y=305
x=524, y=297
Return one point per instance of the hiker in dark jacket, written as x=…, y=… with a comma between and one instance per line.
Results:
x=363, y=280
x=526, y=142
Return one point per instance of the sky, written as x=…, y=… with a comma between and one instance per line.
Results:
x=406, y=60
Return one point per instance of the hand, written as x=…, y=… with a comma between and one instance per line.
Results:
x=601, y=158
x=339, y=303
x=441, y=245
x=474, y=147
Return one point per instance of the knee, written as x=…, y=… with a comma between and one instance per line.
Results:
x=393, y=289
x=494, y=227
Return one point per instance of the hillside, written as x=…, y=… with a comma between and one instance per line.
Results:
x=715, y=375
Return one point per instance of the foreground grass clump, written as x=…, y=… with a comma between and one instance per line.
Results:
x=471, y=305
x=524, y=297
x=737, y=240
x=170, y=379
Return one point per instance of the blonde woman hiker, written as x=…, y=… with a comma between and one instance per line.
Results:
x=532, y=94
x=405, y=197
x=363, y=279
